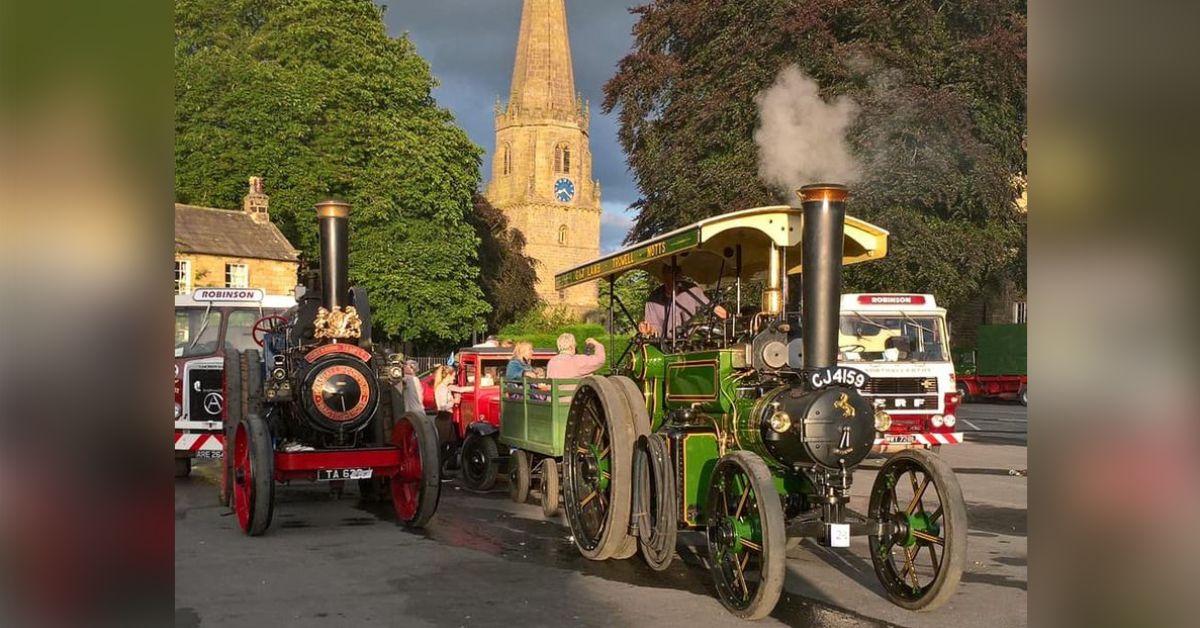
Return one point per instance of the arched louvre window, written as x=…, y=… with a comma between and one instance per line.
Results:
x=506, y=159
x=558, y=158
x=562, y=234
x=566, y=161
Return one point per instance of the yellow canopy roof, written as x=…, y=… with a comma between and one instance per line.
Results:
x=707, y=249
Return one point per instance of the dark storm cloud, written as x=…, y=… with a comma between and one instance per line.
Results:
x=471, y=44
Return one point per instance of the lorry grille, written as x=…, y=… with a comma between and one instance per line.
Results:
x=206, y=385
x=901, y=386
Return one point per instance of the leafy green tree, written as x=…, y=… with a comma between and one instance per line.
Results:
x=316, y=97
x=507, y=275
x=941, y=89
x=632, y=289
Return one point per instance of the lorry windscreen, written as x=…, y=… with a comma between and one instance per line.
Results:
x=892, y=337
x=196, y=331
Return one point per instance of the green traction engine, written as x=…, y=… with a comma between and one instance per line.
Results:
x=740, y=424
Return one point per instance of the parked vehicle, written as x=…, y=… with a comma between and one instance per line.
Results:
x=320, y=403
x=469, y=441
x=900, y=341
x=533, y=423
x=996, y=368
x=208, y=323
x=746, y=427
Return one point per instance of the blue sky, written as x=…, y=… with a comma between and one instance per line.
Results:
x=471, y=44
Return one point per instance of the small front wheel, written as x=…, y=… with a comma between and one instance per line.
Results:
x=480, y=462
x=746, y=541
x=518, y=476
x=549, y=487
x=921, y=563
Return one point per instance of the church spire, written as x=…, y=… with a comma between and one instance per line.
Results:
x=542, y=76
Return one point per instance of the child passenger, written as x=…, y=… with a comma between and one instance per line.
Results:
x=521, y=364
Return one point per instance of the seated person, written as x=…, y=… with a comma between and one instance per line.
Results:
x=689, y=300
x=521, y=364
x=568, y=365
x=896, y=348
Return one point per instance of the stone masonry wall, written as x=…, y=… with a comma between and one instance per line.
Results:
x=273, y=276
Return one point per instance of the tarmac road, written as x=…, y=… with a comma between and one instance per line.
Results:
x=994, y=422
x=487, y=561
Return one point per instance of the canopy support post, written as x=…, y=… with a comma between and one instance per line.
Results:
x=738, y=271
x=612, y=296
x=674, y=289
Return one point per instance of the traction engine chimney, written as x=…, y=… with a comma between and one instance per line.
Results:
x=824, y=207
x=334, y=217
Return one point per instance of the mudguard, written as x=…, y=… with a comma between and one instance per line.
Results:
x=483, y=428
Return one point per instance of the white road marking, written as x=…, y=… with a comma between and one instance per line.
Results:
x=973, y=426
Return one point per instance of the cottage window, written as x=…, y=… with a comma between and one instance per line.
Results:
x=237, y=276
x=1020, y=312
x=183, y=276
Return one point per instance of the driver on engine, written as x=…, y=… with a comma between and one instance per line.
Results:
x=689, y=300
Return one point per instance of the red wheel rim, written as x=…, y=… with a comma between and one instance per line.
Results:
x=406, y=484
x=243, y=478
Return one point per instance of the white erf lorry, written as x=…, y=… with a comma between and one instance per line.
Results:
x=900, y=341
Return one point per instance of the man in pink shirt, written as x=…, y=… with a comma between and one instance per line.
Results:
x=568, y=365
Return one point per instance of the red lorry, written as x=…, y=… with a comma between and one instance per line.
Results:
x=470, y=439
x=996, y=367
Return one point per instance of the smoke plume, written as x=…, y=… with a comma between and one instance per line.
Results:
x=801, y=138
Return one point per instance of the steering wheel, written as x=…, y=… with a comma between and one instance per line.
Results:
x=266, y=325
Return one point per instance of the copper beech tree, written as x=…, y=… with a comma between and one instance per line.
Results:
x=940, y=90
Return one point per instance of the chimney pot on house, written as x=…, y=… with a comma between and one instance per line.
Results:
x=256, y=203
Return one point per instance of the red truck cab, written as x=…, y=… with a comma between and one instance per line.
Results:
x=475, y=420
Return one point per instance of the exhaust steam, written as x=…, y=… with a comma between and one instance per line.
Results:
x=801, y=138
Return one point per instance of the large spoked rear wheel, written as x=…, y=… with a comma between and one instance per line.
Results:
x=480, y=462
x=654, y=501
x=597, y=469
x=746, y=541
x=920, y=565
x=416, y=486
x=253, y=475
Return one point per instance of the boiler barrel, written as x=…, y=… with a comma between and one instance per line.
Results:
x=334, y=217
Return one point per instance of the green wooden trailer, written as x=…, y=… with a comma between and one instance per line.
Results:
x=533, y=421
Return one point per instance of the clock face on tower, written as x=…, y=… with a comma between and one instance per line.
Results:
x=564, y=190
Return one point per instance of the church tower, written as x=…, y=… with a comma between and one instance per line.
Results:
x=542, y=165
